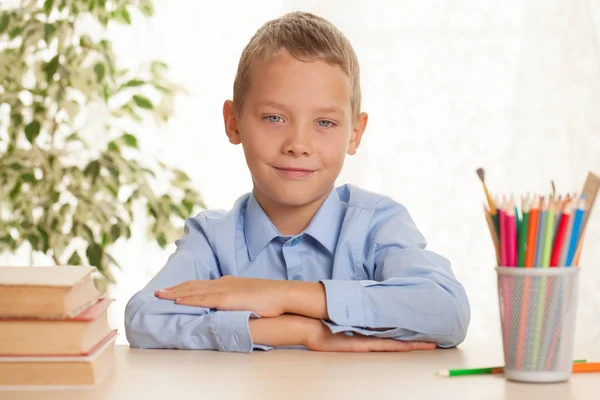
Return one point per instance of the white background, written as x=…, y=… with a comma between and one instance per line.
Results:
x=512, y=86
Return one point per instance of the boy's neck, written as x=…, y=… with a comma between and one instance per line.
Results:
x=289, y=220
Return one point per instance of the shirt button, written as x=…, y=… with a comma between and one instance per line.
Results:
x=297, y=278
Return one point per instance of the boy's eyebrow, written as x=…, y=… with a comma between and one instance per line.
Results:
x=274, y=104
x=330, y=110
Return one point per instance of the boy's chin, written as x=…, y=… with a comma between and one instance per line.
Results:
x=296, y=197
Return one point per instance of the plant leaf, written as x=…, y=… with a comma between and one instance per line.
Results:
x=75, y=259
x=88, y=232
x=115, y=232
x=51, y=68
x=143, y=102
x=130, y=141
x=4, y=19
x=112, y=260
x=133, y=83
x=146, y=8
x=92, y=170
x=176, y=210
x=34, y=240
x=49, y=30
x=106, y=93
x=48, y=4
x=112, y=146
x=94, y=254
x=14, y=32
x=28, y=177
x=100, y=70
x=188, y=205
x=161, y=240
x=45, y=241
x=126, y=16
x=32, y=130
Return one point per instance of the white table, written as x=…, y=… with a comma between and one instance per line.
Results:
x=298, y=374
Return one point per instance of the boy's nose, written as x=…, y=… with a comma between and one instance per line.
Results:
x=297, y=143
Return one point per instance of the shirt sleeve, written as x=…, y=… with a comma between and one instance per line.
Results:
x=151, y=322
x=414, y=294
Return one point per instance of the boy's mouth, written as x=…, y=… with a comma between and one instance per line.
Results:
x=293, y=173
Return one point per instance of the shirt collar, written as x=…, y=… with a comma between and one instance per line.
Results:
x=326, y=224
x=258, y=228
x=324, y=227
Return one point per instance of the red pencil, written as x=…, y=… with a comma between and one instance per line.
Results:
x=560, y=235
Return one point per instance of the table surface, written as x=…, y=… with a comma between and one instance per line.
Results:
x=301, y=374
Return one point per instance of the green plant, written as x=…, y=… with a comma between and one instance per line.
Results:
x=57, y=193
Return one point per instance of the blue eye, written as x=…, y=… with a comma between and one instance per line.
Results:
x=274, y=118
x=325, y=124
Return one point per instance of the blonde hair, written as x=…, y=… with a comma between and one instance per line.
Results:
x=306, y=37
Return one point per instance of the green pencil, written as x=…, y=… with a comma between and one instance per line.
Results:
x=479, y=371
x=549, y=236
x=523, y=235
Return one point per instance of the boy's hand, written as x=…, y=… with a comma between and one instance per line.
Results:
x=320, y=338
x=230, y=293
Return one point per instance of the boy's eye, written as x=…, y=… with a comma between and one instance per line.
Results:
x=325, y=124
x=273, y=118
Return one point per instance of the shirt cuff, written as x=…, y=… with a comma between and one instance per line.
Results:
x=345, y=302
x=232, y=332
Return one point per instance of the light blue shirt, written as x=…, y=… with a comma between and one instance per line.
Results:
x=379, y=279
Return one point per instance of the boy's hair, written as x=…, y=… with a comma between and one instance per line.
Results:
x=306, y=37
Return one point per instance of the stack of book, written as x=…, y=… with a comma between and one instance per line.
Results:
x=53, y=327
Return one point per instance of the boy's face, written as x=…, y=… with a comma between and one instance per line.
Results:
x=296, y=127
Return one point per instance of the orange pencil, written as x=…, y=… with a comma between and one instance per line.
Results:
x=532, y=233
x=586, y=367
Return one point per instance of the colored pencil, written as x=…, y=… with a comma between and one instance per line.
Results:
x=549, y=234
x=578, y=366
x=531, y=238
x=503, y=237
x=575, y=233
x=562, y=261
x=511, y=236
x=540, y=234
x=586, y=367
x=523, y=232
x=561, y=232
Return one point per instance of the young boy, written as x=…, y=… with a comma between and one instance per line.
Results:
x=298, y=262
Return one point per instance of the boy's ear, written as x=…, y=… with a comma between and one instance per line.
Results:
x=231, y=122
x=357, y=132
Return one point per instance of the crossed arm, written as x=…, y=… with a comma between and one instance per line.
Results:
x=291, y=312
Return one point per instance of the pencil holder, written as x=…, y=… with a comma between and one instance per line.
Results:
x=537, y=315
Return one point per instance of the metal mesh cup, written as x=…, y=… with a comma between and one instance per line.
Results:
x=537, y=315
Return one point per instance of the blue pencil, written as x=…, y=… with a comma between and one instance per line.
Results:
x=575, y=234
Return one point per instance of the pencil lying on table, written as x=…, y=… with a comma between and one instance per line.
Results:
x=578, y=366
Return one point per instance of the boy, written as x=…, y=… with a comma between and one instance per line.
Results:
x=298, y=262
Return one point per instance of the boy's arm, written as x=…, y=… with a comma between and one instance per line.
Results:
x=414, y=294
x=151, y=322
x=290, y=330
